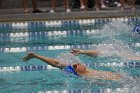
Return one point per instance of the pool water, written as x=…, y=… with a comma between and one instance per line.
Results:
x=115, y=37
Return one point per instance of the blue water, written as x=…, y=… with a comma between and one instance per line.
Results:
x=45, y=38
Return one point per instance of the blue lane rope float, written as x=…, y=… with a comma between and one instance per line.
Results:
x=69, y=69
x=60, y=23
x=132, y=64
x=38, y=48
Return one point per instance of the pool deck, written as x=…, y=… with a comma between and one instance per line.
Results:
x=13, y=15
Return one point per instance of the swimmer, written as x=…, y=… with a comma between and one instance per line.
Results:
x=77, y=69
x=95, y=53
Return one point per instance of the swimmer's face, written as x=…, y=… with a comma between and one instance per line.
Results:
x=79, y=67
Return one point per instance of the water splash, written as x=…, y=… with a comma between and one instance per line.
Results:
x=115, y=48
x=68, y=58
x=114, y=28
x=118, y=34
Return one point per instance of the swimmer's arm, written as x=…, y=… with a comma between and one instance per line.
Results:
x=134, y=57
x=86, y=52
x=128, y=56
x=51, y=61
x=89, y=52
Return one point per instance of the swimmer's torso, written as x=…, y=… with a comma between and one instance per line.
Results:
x=98, y=74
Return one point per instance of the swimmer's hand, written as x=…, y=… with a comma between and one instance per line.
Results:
x=29, y=56
x=75, y=52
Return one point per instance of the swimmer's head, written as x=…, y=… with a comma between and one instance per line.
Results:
x=75, y=69
x=79, y=68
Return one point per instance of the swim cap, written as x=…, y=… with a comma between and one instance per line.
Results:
x=69, y=69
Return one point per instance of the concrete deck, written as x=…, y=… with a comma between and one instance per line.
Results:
x=12, y=15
